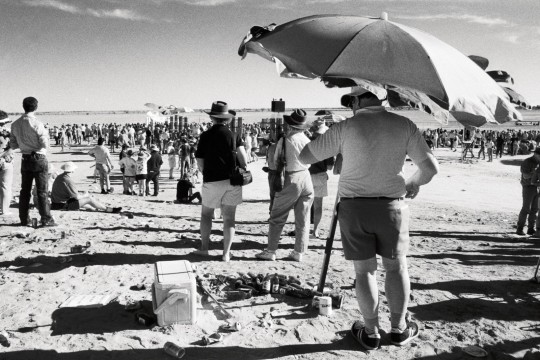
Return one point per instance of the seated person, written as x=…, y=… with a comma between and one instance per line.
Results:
x=64, y=195
x=184, y=192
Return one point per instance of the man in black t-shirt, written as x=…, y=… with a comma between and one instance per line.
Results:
x=184, y=194
x=215, y=158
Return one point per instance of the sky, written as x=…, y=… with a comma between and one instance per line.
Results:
x=75, y=55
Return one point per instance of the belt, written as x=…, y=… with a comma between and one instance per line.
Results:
x=33, y=156
x=371, y=198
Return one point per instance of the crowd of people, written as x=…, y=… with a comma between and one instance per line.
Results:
x=372, y=213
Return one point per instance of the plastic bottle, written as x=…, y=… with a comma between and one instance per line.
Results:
x=174, y=350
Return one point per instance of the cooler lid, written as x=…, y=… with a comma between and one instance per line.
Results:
x=172, y=272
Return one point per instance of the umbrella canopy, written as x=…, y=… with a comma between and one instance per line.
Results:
x=515, y=97
x=380, y=55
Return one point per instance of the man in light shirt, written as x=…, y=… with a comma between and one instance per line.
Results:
x=103, y=165
x=373, y=217
x=30, y=136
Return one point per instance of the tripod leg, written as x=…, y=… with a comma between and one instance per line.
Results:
x=328, y=247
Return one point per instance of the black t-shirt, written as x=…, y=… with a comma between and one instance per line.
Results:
x=182, y=189
x=216, y=148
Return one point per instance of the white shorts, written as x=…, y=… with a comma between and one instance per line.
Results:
x=217, y=193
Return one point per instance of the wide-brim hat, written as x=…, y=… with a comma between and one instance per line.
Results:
x=154, y=148
x=220, y=110
x=298, y=119
x=69, y=167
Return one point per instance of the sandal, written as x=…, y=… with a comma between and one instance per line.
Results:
x=368, y=342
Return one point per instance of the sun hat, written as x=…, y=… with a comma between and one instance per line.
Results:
x=154, y=147
x=220, y=110
x=298, y=119
x=68, y=167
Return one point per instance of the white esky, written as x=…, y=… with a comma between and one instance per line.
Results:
x=119, y=54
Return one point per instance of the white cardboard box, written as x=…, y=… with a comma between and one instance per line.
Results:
x=174, y=294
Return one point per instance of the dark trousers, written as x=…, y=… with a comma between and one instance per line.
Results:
x=34, y=167
x=154, y=177
x=529, y=207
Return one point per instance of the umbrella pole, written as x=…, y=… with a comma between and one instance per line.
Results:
x=328, y=248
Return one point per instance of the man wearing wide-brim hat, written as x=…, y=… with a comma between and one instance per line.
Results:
x=154, y=165
x=373, y=216
x=215, y=156
x=297, y=193
x=64, y=194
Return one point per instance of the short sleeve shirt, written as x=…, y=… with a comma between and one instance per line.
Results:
x=374, y=144
x=216, y=149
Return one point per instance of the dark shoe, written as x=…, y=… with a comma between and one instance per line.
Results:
x=110, y=191
x=104, y=192
x=369, y=342
x=520, y=231
x=531, y=231
x=49, y=223
x=116, y=210
x=404, y=337
x=26, y=223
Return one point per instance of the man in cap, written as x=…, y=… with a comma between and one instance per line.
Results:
x=215, y=156
x=64, y=194
x=29, y=135
x=297, y=193
x=372, y=215
x=529, y=193
x=154, y=165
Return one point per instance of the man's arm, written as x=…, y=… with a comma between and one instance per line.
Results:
x=427, y=169
x=13, y=144
x=200, y=164
x=242, y=156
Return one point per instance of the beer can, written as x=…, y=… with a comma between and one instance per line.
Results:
x=174, y=350
x=34, y=223
x=76, y=249
x=325, y=305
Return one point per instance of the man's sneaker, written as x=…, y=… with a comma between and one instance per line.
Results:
x=266, y=255
x=531, y=231
x=400, y=338
x=520, y=231
x=103, y=191
x=294, y=256
x=49, y=223
x=116, y=210
x=368, y=342
x=201, y=253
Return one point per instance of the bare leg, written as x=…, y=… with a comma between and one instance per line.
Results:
x=317, y=214
x=398, y=288
x=206, y=226
x=367, y=292
x=228, y=212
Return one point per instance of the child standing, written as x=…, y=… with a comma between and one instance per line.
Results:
x=142, y=170
x=130, y=171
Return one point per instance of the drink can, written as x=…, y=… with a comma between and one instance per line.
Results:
x=325, y=305
x=337, y=301
x=34, y=223
x=174, y=350
x=76, y=249
x=63, y=234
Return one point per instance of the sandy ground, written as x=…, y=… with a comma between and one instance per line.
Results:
x=469, y=275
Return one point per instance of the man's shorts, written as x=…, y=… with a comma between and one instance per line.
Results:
x=320, y=184
x=218, y=193
x=103, y=169
x=140, y=177
x=374, y=226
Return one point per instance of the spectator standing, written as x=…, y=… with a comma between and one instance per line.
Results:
x=297, y=193
x=529, y=195
x=30, y=136
x=215, y=152
x=104, y=165
x=373, y=218
x=6, y=170
x=154, y=165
